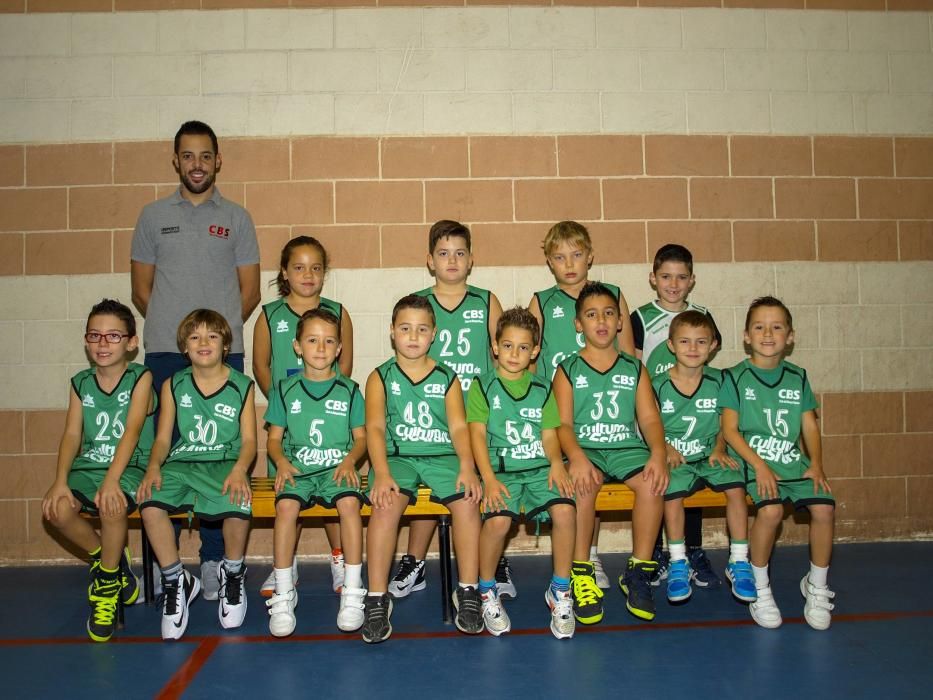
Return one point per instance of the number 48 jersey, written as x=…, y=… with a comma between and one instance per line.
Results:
x=416, y=412
x=770, y=404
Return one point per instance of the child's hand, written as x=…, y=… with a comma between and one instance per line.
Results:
x=346, y=472
x=237, y=485
x=54, y=497
x=721, y=459
x=656, y=474
x=819, y=479
x=494, y=495
x=110, y=499
x=285, y=471
x=469, y=482
x=382, y=492
x=557, y=477
x=585, y=477
x=152, y=479
x=674, y=458
x=767, y=482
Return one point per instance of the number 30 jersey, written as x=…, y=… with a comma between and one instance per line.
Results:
x=416, y=412
x=770, y=404
x=209, y=426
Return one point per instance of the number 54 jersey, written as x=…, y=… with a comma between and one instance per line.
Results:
x=770, y=404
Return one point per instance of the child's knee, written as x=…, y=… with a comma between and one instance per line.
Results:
x=287, y=509
x=498, y=525
x=110, y=519
x=348, y=506
x=563, y=515
x=771, y=514
x=822, y=514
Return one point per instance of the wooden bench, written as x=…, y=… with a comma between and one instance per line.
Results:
x=611, y=498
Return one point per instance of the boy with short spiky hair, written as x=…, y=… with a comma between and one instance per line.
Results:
x=768, y=414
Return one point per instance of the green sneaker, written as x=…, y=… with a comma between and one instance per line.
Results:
x=587, y=596
x=102, y=597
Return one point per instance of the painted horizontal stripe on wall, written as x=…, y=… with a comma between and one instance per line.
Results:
x=484, y=70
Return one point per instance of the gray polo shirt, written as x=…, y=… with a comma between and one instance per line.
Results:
x=196, y=252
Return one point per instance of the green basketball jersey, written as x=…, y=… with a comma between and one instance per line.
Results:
x=104, y=418
x=604, y=402
x=283, y=322
x=416, y=413
x=209, y=426
x=462, y=341
x=559, y=337
x=651, y=327
x=318, y=426
x=691, y=423
x=513, y=428
x=770, y=404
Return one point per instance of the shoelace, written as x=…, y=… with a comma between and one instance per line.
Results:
x=406, y=568
x=563, y=606
x=469, y=602
x=491, y=605
x=170, y=591
x=104, y=599
x=375, y=610
x=503, y=571
x=679, y=570
x=585, y=590
x=231, y=588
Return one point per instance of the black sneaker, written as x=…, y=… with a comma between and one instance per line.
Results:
x=469, y=607
x=636, y=585
x=129, y=591
x=663, y=560
x=102, y=596
x=703, y=574
x=409, y=577
x=504, y=582
x=587, y=596
x=377, y=611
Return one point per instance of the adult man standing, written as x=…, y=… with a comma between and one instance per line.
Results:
x=194, y=249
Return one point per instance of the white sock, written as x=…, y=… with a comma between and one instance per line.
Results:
x=678, y=550
x=233, y=566
x=818, y=575
x=469, y=585
x=761, y=576
x=593, y=553
x=354, y=576
x=283, y=580
x=738, y=551
x=373, y=594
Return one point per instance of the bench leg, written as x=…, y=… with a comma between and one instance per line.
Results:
x=443, y=537
x=147, y=565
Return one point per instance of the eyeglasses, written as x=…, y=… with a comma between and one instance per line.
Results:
x=95, y=337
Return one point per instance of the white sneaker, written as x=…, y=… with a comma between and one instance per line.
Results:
x=179, y=594
x=599, y=573
x=818, y=607
x=504, y=583
x=268, y=586
x=210, y=580
x=350, y=617
x=282, y=613
x=562, y=620
x=337, y=571
x=232, y=594
x=765, y=611
x=409, y=577
x=495, y=617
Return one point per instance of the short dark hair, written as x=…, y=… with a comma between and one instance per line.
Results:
x=519, y=317
x=694, y=319
x=207, y=317
x=196, y=128
x=319, y=313
x=112, y=307
x=445, y=228
x=413, y=301
x=673, y=252
x=281, y=281
x=769, y=301
x=594, y=289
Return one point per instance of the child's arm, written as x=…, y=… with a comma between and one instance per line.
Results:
x=460, y=437
x=493, y=489
x=535, y=310
x=284, y=469
x=764, y=477
x=810, y=431
x=557, y=476
x=383, y=485
x=584, y=475
x=719, y=456
x=68, y=449
x=237, y=481
x=652, y=430
x=625, y=338
x=262, y=355
x=346, y=470
x=110, y=499
x=495, y=311
x=160, y=446
x=345, y=361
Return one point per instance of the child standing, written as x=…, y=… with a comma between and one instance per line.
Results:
x=316, y=439
x=696, y=453
x=513, y=423
x=767, y=408
x=108, y=434
x=417, y=433
x=205, y=471
x=466, y=321
x=302, y=269
x=605, y=399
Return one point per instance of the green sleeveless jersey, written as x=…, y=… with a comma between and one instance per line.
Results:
x=416, y=413
x=514, y=424
x=318, y=418
x=604, y=402
x=770, y=404
x=209, y=426
x=691, y=423
x=462, y=341
x=283, y=322
x=651, y=326
x=104, y=417
x=559, y=337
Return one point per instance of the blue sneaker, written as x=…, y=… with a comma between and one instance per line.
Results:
x=742, y=579
x=703, y=573
x=678, y=581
